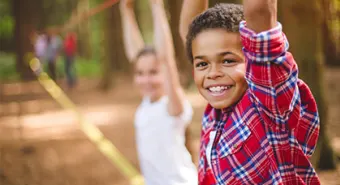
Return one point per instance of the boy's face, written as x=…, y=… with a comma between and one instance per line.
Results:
x=219, y=67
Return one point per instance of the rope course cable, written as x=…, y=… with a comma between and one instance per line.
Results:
x=91, y=131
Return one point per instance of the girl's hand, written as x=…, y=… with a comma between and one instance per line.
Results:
x=156, y=2
x=126, y=3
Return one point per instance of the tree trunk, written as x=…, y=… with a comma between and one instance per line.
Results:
x=118, y=58
x=144, y=19
x=184, y=65
x=113, y=55
x=336, y=24
x=106, y=64
x=83, y=30
x=26, y=18
x=302, y=24
x=332, y=56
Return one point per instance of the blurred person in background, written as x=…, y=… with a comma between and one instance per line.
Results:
x=164, y=113
x=39, y=43
x=53, y=47
x=70, y=49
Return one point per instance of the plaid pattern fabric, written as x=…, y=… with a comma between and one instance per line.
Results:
x=269, y=135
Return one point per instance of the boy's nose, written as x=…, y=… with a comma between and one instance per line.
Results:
x=215, y=72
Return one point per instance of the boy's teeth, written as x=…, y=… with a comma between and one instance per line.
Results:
x=218, y=88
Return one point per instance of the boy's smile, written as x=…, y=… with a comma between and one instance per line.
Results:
x=219, y=67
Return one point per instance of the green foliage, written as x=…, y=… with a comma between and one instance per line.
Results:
x=4, y=7
x=6, y=20
x=56, y=12
x=6, y=26
x=8, y=70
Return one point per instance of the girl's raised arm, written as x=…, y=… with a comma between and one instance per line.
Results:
x=166, y=54
x=190, y=9
x=133, y=41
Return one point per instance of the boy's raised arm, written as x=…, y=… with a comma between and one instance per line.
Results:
x=272, y=71
x=190, y=9
x=260, y=15
x=166, y=53
x=133, y=41
x=272, y=74
x=270, y=65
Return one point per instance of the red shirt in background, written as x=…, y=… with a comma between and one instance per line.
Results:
x=70, y=44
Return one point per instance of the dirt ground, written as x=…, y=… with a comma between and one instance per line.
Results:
x=41, y=144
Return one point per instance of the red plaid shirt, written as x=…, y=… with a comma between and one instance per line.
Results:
x=269, y=135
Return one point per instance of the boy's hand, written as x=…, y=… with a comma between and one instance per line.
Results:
x=261, y=15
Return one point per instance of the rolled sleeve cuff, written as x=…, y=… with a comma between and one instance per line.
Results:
x=264, y=46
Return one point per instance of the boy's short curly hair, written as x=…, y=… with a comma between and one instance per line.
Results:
x=224, y=16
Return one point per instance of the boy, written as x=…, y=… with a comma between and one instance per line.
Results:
x=261, y=124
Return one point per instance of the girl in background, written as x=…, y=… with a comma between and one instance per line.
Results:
x=164, y=113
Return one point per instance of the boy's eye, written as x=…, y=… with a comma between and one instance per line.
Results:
x=228, y=61
x=201, y=64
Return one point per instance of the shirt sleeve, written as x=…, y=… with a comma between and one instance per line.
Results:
x=271, y=73
x=187, y=113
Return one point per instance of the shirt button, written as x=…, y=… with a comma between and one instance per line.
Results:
x=235, y=146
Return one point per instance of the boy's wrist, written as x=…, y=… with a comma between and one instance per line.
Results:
x=260, y=23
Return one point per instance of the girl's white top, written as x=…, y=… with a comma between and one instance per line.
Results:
x=163, y=157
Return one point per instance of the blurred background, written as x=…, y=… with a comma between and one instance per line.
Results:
x=41, y=143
